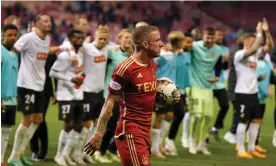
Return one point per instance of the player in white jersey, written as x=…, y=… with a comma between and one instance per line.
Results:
x=34, y=49
x=95, y=59
x=247, y=103
x=68, y=69
x=110, y=44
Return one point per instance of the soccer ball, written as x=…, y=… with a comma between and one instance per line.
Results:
x=165, y=91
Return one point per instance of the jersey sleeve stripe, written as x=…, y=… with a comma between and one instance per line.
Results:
x=123, y=71
x=123, y=66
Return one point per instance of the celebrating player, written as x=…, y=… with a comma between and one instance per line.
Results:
x=95, y=59
x=133, y=84
x=9, y=71
x=247, y=103
x=205, y=57
x=34, y=49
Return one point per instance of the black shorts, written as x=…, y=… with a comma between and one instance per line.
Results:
x=92, y=105
x=8, y=115
x=71, y=111
x=30, y=101
x=247, y=107
x=221, y=96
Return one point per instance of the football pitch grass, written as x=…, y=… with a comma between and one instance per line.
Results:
x=223, y=153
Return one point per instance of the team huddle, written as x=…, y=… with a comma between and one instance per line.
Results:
x=106, y=92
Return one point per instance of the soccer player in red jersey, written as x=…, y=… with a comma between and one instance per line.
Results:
x=133, y=85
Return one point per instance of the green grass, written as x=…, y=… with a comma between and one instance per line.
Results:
x=223, y=153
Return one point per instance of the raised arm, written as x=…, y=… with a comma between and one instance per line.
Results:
x=269, y=43
x=257, y=43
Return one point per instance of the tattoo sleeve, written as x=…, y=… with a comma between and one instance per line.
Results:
x=255, y=46
x=106, y=113
x=269, y=44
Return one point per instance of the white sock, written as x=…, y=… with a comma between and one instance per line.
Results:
x=155, y=140
x=31, y=130
x=5, y=131
x=240, y=137
x=72, y=141
x=186, y=123
x=18, y=139
x=165, y=126
x=81, y=142
x=63, y=137
x=253, y=131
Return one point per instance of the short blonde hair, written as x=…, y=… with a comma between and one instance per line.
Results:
x=140, y=34
x=142, y=23
x=122, y=32
x=176, y=38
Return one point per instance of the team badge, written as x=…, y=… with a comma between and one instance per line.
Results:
x=145, y=160
x=115, y=85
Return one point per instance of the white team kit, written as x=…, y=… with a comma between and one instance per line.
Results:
x=95, y=69
x=247, y=82
x=247, y=103
x=31, y=76
x=65, y=71
x=69, y=97
x=34, y=52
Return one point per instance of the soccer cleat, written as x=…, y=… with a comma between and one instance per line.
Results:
x=163, y=151
x=257, y=154
x=230, y=137
x=215, y=134
x=170, y=147
x=258, y=148
x=59, y=159
x=88, y=159
x=204, y=150
x=69, y=161
x=159, y=155
x=245, y=155
x=102, y=158
x=274, y=139
x=79, y=160
x=185, y=143
x=113, y=156
x=26, y=161
x=15, y=163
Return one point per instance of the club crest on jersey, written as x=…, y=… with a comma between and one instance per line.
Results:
x=42, y=56
x=99, y=59
x=145, y=160
x=115, y=85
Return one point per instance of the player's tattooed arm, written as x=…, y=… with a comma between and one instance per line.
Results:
x=95, y=141
x=269, y=43
x=106, y=113
x=257, y=43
